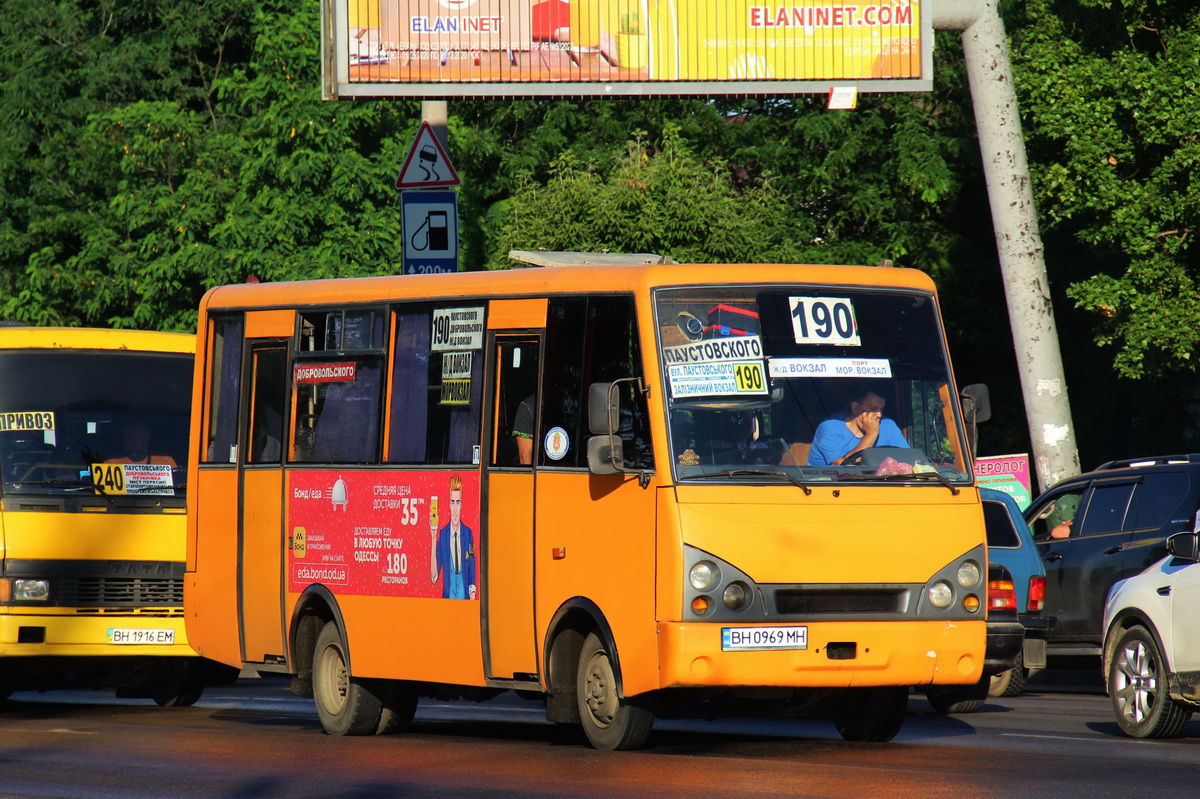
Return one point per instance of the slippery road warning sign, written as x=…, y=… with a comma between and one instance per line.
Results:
x=427, y=166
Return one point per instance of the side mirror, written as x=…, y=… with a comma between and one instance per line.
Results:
x=605, y=455
x=976, y=402
x=1184, y=546
x=604, y=409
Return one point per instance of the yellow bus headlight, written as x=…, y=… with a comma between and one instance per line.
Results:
x=941, y=594
x=968, y=574
x=30, y=590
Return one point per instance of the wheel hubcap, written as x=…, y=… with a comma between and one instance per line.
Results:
x=599, y=693
x=1135, y=682
x=336, y=681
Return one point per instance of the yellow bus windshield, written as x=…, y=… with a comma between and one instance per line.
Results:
x=94, y=422
x=816, y=384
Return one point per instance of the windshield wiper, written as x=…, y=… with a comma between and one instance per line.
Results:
x=765, y=472
x=917, y=476
x=60, y=483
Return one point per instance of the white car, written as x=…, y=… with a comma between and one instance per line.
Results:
x=1152, y=643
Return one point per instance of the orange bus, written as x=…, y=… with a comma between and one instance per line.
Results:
x=601, y=485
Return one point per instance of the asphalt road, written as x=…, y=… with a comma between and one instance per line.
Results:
x=253, y=739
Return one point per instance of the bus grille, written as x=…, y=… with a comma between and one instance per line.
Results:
x=122, y=592
x=812, y=602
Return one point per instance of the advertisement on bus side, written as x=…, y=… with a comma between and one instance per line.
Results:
x=384, y=533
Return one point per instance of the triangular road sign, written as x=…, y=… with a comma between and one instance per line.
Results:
x=427, y=165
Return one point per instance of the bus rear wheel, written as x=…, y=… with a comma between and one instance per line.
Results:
x=871, y=714
x=608, y=722
x=345, y=704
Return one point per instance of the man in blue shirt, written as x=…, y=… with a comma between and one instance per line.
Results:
x=862, y=427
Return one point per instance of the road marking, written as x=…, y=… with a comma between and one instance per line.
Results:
x=1063, y=737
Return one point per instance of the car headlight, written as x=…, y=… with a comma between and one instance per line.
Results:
x=30, y=590
x=704, y=575
x=941, y=594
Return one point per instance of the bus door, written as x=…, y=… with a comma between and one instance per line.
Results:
x=510, y=649
x=260, y=497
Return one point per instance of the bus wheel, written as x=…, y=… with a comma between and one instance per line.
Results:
x=399, y=703
x=609, y=723
x=954, y=699
x=181, y=683
x=345, y=705
x=871, y=714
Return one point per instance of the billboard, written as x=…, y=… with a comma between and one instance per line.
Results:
x=456, y=48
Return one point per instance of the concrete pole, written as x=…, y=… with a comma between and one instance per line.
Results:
x=436, y=113
x=1018, y=241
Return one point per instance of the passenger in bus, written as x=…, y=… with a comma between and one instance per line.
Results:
x=135, y=442
x=861, y=427
x=523, y=431
x=452, y=553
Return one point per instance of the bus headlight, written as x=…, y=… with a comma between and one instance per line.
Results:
x=704, y=575
x=734, y=596
x=968, y=574
x=30, y=590
x=941, y=594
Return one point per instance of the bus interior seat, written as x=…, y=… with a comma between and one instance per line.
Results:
x=796, y=454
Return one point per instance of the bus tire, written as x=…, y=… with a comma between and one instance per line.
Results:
x=345, y=704
x=399, y=705
x=951, y=700
x=609, y=723
x=181, y=683
x=871, y=714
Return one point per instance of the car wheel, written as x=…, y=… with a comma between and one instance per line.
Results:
x=871, y=714
x=954, y=699
x=1011, y=682
x=608, y=722
x=1137, y=685
x=345, y=705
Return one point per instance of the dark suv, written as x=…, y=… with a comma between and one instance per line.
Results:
x=1101, y=527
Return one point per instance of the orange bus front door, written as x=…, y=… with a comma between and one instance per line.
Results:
x=261, y=553
x=510, y=650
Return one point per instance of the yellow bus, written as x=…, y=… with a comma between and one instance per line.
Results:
x=597, y=485
x=93, y=455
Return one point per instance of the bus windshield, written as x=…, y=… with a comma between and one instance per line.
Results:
x=808, y=384
x=68, y=417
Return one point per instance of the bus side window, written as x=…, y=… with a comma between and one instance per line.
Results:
x=224, y=394
x=436, y=403
x=516, y=423
x=592, y=339
x=269, y=393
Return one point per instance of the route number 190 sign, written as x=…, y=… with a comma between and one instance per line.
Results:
x=824, y=320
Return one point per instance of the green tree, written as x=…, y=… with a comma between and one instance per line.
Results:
x=1111, y=95
x=666, y=202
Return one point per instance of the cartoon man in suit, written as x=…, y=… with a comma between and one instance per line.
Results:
x=452, y=554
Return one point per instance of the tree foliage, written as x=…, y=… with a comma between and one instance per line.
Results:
x=1112, y=95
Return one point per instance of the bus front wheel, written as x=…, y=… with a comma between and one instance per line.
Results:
x=345, y=704
x=871, y=714
x=609, y=723
x=179, y=682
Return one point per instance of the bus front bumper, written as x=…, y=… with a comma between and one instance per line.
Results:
x=832, y=655
x=53, y=635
